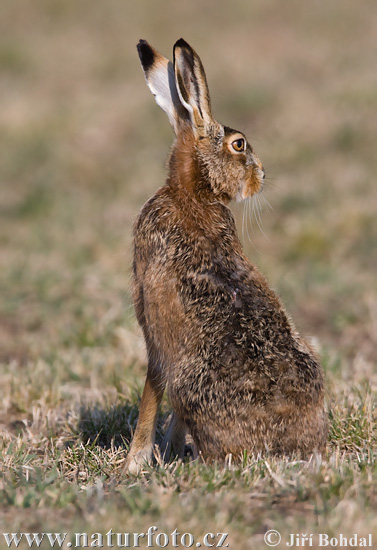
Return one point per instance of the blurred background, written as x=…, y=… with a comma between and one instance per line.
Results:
x=83, y=145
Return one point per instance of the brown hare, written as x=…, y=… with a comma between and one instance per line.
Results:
x=239, y=377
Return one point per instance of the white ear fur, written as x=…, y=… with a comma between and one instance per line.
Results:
x=160, y=78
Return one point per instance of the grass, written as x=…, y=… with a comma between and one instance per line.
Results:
x=82, y=146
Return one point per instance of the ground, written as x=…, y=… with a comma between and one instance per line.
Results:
x=83, y=146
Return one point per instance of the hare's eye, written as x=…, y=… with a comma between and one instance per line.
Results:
x=238, y=145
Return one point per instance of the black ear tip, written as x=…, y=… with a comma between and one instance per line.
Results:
x=182, y=44
x=146, y=54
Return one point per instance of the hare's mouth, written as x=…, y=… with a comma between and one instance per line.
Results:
x=252, y=185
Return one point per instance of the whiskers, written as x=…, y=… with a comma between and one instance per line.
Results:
x=246, y=220
x=252, y=212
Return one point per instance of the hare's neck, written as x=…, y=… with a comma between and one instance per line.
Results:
x=183, y=164
x=209, y=220
x=186, y=173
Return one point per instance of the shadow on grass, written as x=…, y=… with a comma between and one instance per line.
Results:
x=112, y=426
x=108, y=427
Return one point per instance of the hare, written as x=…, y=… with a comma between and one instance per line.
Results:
x=239, y=376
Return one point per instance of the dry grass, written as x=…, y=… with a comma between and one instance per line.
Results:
x=82, y=147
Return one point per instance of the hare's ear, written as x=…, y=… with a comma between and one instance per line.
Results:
x=159, y=75
x=191, y=83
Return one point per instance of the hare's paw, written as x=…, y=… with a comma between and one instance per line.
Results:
x=136, y=461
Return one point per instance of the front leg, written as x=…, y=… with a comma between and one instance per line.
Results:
x=178, y=441
x=141, y=450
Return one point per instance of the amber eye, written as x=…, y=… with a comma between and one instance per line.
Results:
x=238, y=145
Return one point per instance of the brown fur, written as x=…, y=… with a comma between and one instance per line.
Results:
x=238, y=374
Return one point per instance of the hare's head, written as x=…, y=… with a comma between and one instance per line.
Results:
x=208, y=158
